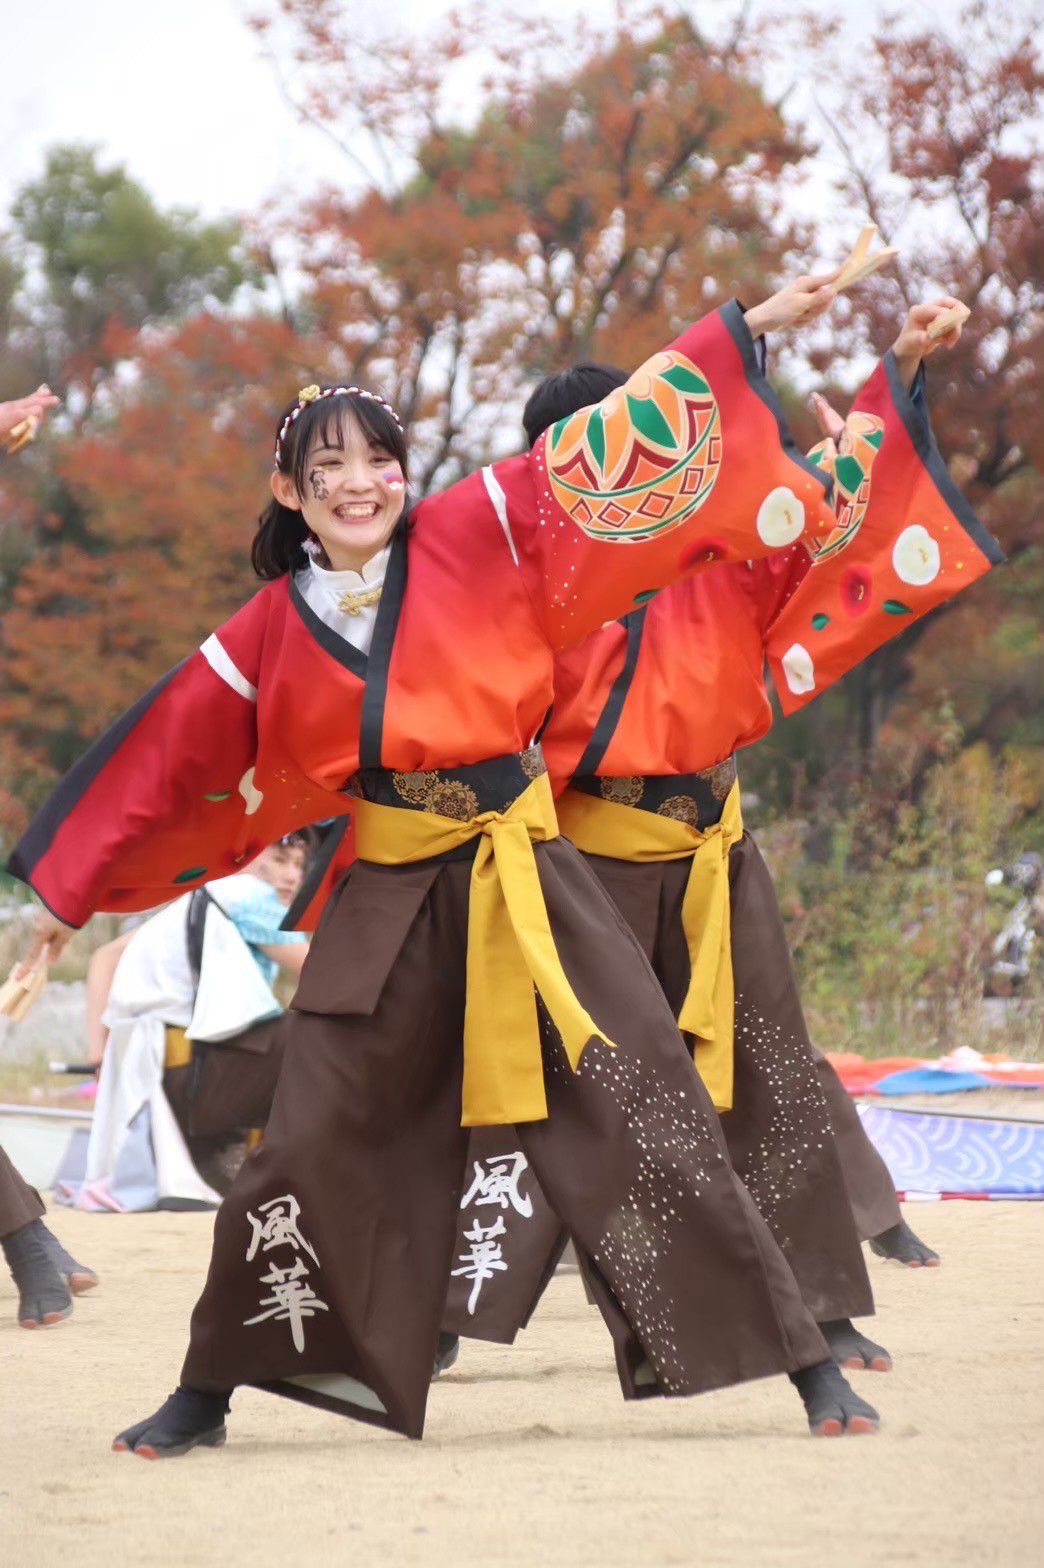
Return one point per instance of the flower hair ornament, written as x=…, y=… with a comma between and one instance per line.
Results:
x=312, y=394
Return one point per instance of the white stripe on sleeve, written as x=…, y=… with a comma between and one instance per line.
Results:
x=222, y=665
x=499, y=499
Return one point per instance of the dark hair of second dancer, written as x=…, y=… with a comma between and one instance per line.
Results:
x=279, y=542
x=566, y=391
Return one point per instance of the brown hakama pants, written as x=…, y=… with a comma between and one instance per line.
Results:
x=223, y=1093
x=778, y=1134
x=333, y=1249
x=228, y=1087
x=20, y=1204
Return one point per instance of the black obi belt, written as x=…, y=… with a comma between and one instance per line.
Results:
x=460, y=793
x=695, y=798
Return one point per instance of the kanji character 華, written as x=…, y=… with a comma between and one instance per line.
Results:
x=291, y=1300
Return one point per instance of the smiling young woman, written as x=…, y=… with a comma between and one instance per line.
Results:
x=465, y=916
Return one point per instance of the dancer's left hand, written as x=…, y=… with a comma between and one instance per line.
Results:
x=913, y=343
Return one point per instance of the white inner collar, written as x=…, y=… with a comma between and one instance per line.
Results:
x=348, y=581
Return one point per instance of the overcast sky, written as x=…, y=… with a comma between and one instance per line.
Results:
x=178, y=92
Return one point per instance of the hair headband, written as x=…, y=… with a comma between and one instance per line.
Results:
x=312, y=394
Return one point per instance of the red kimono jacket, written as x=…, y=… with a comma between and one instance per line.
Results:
x=259, y=731
x=679, y=686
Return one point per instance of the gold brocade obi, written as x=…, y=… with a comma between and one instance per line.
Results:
x=603, y=825
x=511, y=950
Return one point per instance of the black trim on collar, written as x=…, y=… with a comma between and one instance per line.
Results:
x=39, y=835
x=609, y=718
x=371, y=726
x=914, y=415
x=732, y=317
x=332, y=642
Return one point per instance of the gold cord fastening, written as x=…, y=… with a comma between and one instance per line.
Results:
x=353, y=603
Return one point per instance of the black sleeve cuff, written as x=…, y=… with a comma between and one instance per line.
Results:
x=912, y=408
x=753, y=355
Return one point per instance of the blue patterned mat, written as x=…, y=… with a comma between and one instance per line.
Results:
x=930, y=1154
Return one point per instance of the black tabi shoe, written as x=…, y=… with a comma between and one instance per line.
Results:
x=43, y=1296
x=831, y=1406
x=902, y=1245
x=446, y=1355
x=78, y=1278
x=853, y=1350
x=190, y=1418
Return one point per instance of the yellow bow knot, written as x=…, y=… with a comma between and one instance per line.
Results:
x=511, y=953
x=603, y=827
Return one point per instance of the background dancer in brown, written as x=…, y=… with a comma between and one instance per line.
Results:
x=46, y=1276
x=647, y=717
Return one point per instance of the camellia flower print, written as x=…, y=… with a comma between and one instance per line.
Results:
x=916, y=557
x=781, y=517
x=799, y=670
x=856, y=590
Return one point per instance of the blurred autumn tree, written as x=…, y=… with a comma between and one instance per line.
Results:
x=88, y=260
x=610, y=186
x=938, y=137
x=94, y=581
x=100, y=255
x=170, y=484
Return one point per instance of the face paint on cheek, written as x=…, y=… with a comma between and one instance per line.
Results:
x=394, y=481
x=317, y=480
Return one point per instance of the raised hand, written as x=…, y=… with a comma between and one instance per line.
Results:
x=799, y=302
x=21, y=409
x=827, y=418
x=913, y=343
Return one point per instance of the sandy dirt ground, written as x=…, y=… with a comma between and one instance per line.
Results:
x=530, y=1455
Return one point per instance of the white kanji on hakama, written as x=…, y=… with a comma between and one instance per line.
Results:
x=484, y=1258
x=291, y=1299
x=499, y=1184
x=279, y=1227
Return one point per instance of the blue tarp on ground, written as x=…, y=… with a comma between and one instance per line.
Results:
x=933, y=1080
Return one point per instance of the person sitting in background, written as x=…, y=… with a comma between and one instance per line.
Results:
x=278, y=867
x=195, y=1034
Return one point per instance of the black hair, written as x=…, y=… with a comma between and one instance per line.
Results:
x=281, y=532
x=301, y=838
x=566, y=391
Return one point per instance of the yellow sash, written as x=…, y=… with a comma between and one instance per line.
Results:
x=604, y=827
x=510, y=946
x=178, y=1052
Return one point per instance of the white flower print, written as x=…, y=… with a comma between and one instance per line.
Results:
x=799, y=670
x=915, y=556
x=781, y=517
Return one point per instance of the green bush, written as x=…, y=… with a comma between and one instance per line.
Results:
x=889, y=917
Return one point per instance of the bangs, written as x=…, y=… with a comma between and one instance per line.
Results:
x=324, y=423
